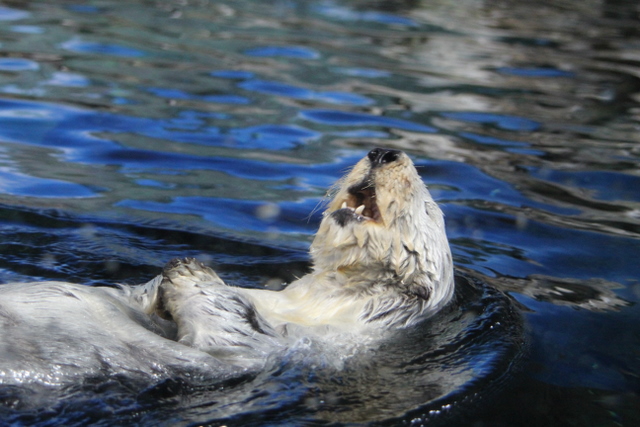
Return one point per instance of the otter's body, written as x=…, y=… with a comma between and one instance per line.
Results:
x=54, y=333
x=381, y=261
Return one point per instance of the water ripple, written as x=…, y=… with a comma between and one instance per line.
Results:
x=82, y=46
x=281, y=89
x=20, y=184
x=9, y=14
x=344, y=13
x=534, y=72
x=134, y=132
x=295, y=52
x=502, y=121
x=18, y=64
x=343, y=118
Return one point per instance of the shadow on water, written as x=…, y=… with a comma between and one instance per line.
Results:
x=135, y=132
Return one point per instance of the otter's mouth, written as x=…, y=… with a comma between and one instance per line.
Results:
x=360, y=205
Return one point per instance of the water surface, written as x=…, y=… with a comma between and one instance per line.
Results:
x=134, y=132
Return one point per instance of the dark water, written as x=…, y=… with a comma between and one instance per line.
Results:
x=134, y=132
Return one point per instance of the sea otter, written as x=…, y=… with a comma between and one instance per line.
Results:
x=381, y=261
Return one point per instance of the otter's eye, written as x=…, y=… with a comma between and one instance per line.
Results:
x=381, y=156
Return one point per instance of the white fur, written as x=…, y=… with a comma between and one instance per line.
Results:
x=387, y=269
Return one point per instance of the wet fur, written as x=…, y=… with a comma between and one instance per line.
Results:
x=383, y=266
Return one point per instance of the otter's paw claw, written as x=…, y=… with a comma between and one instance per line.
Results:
x=189, y=271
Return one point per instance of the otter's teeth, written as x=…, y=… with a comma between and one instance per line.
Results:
x=359, y=210
x=344, y=205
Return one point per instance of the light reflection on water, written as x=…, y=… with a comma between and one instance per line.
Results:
x=134, y=132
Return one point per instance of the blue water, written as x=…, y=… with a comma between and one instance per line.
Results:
x=135, y=132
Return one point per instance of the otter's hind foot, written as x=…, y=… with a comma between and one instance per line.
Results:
x=182, y=272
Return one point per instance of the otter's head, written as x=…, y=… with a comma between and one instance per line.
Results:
x=383, y=227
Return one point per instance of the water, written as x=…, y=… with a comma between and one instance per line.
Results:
x=135, y=132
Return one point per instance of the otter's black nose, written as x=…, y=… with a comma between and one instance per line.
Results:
x=381, y=156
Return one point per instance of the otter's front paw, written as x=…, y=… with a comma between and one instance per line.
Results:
x=181, y=272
